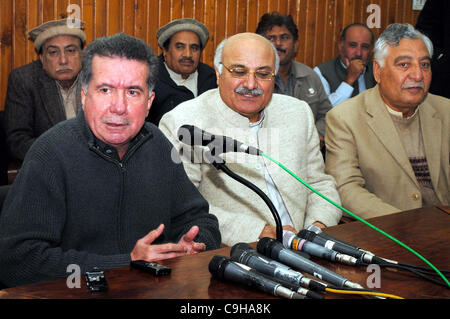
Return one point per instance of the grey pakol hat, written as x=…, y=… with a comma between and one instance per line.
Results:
x=54, y=28
x=185, y=24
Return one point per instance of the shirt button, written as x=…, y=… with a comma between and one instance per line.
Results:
x=258, y=166
x=415, y=196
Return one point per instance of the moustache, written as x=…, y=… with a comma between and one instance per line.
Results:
x=115, y=120
x=64, y=68
x=183, y=60
x=252, y=92
x=409, y=85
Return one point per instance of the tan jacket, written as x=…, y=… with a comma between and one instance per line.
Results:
x=367, y=159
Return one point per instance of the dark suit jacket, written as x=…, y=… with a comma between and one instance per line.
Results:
x=168, y=95
x=435, y=23
x=33, y=105
x=3, y=155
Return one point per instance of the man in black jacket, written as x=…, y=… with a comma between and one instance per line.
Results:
x=91, y=188
x=435, y=23
x=181, y=74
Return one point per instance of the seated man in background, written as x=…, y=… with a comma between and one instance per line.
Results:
x=46, y=91
x=93, y=187
x=388, y=147
x=244, y=107
x=294, y=78
x=181, y=75
x=351, y=72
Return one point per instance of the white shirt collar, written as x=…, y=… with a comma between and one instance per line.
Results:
x=190, y=83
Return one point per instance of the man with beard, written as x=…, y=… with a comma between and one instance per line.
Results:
x=46, y=91
x=294, y=78
x=245, y=108
x=388, y=147
x=181, y=74
x=351, y=72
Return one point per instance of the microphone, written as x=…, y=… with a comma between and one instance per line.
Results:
x=244, y=254
x=223, y=268
x=337, y=246
x=218, y=144
x=324, y=235
x=367, y=256
x=291, y=241
x=274, y=249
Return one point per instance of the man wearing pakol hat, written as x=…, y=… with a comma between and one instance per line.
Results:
x=46, y=91
x=181, y=74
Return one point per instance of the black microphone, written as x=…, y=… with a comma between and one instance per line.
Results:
x=274, y=249
x=365, y=256
x=218, y=144
x=342, y=248
x=324, y=235
x=291, y=241
x=244, y=254
x=223, y=268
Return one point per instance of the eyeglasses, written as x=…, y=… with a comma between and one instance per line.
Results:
x=282, y=38
x=240, y=72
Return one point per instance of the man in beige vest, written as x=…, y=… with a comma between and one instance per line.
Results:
x=388, y=148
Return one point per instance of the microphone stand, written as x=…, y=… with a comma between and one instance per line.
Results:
x=219, y=164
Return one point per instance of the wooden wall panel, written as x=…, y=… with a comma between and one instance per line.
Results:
x=319, y=21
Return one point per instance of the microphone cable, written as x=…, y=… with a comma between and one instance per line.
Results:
x=355, y=291
x=360, y=219
x=424, y=273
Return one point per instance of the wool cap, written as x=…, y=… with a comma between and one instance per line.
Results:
x=54, y=28
x=185, y=24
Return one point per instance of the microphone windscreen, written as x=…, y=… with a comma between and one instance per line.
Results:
x=306, y=234
x=217, y=266
x=238, y=248
x=264, y=246
x=287, y=238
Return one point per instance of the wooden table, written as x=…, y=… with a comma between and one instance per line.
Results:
x=426, y=230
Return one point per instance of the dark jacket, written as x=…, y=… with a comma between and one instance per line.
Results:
x=435, y=23
x=168, y=95
x=33, y=105
x=4, y=154
x=75, y=202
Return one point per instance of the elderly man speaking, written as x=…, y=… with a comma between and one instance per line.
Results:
x=244, y=107
x=388, y=147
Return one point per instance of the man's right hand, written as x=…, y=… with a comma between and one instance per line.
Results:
x=354, y=69
x=144, y=250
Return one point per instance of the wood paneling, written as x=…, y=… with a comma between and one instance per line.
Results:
x=319, y=21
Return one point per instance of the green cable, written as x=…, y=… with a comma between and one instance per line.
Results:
x=359, y=218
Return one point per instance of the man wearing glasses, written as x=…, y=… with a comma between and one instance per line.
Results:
x=294, y=78
x=245, y=108
x=46, y=91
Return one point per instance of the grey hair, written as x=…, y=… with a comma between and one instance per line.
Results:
x=219, y=50
x=119, y=45
x=392, y=36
